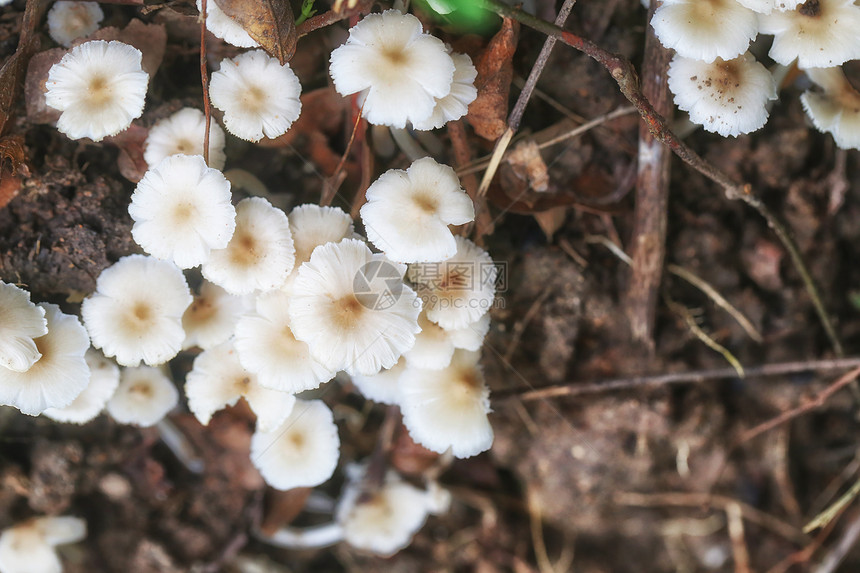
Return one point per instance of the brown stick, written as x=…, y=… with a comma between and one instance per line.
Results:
x=648, y=245
x=204, y=79
x=816, y=402
x=614, y=385
x=624, y=74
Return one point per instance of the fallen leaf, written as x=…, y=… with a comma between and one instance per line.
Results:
x=34, y=86
x=150, y=39
x=322, y=112
x=527, y=164
x=488, y=113
x=131, y=143
x=409, y=458
x=551, y=220
x=282, y=507
x=269, y=22
x=13, y=155
x=9, y=186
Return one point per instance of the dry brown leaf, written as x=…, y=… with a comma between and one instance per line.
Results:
x=131, y=143
x=282, y=507
x=488, y=113
x=527, y=163
x=322, y=112
x=269, y=22
x=150, y=39
x=551, y=220
x=34, y=86
x=409, y=458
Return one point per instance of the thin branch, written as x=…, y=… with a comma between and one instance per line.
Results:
x=623, y=72
x=696, y=376
x=204, y=78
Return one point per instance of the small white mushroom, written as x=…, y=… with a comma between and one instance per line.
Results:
x=136, y=312
x=260, y=255
x=99, y=87
x=818, y=33
x=382, y=387
x=768, y=6
x=259, y=96
x=456, y=104
x=458, y=291
x=408, y=212
x=836, y=110
x=29, y=547
x=301, y=452
x=211, y=319
x=448, y=408
x=268, y=348
x=22, y=322
x=182, y=210
x=59, y=376
x=399, y=70
x=726, y=97
x=217, y=379
x=144, y=396
x=313, y=226
x=352, y=308
x=68, y=21
x=705, y=29
x=434, y=345
x=104, y=379
x=224, y=27
x=183, y=133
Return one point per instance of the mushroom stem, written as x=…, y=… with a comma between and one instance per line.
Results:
x=175, y=440
x=305, y=538
x=408, y=144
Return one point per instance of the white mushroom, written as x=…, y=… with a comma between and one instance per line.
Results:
x=59, y=376
x=22, y=322
x=182, y=210
x=836, y=110
x=136, y=312
x=399, y=70
x=726, y=97
x=183, y=133
x=99, y=87
x=408, y=212
x=261, y=253
x=29, y=547
x=68, y=21
x=705, y=29
x=144, y=396
x=301, y=452
x=448, y=408
x=352, y=308
x=382, y=387
x=313, y=226
x=211, y=319
x=224, y=27
x=217, y=379
x=104, y=379
x=454, y=105
x=818, y=33
x=259, y=96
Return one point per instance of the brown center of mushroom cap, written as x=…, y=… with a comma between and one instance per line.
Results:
x=254, y=99
x=100, y=91
x=347, y=311
x=201, y=310
x=426, y=203
x=142, y=390
x=297, y=439
x=244, y=249
x=138, y=318
x=394, y=56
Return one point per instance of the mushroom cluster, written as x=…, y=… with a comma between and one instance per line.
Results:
x=282, y=301
x=720, y=84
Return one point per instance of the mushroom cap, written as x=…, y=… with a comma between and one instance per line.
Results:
x=458, y=291
x=456, y=104
x=267, y=347
x=352, y=308
x=448, y=408
x=471, y=336
x=59, y=376
x=382, y=387
x=261, y=253
x=217, y=379
x=836, y=110
x=768, y=6
x=433, y=348
x=68, y=21
x=705, y=29
x=182, y=210
x=29, y=547
x=384, y=521
x=259, y=96
x=22, y=322
x=726, y=97
x=301, y=452
x=224, y=27
x=313, y=226
x=399, y=70
x=408, y=212
x=136, y=312
x=104, y=379
x=183, y=133
x=211, y=319
x=99, y=87
x=819, y=33
x=144, y=396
